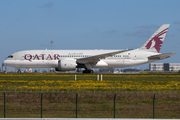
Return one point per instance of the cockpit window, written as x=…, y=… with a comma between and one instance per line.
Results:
x=10, y=56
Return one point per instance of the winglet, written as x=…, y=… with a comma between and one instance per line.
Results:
x=155, y=42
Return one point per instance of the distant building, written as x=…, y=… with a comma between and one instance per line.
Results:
x=106, y=70
x=131, y=70
x=164, y=67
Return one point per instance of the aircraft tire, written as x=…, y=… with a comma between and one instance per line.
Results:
x=88, y=71
x=91, y=71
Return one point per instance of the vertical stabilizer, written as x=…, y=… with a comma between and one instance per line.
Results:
x=155, y=42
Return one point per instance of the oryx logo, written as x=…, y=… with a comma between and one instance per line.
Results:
x=156, y=41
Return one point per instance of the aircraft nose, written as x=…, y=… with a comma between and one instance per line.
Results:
x=10, y=63
x=5, y=62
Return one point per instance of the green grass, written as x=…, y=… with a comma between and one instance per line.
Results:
x=25, y=78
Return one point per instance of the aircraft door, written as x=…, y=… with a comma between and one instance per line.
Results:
x=22, y=56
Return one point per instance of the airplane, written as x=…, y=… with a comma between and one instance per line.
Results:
x=69, y=60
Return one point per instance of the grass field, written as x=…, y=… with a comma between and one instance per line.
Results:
x=134, y=95
x=88, y=83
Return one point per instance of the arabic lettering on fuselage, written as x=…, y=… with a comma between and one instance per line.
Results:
x=31, y=57
x=75, y=53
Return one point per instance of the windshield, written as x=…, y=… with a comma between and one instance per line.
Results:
x=10, y=56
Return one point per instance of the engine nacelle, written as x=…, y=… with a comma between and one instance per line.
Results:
x=66, y=65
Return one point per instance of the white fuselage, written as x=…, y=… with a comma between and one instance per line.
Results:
x=50, y=58
x=66, y=60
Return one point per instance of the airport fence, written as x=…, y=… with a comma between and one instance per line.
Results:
x=89, y=105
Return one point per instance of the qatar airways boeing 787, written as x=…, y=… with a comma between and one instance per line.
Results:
x=68, y=60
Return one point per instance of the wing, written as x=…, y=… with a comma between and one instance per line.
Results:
x=161, y=56
x=97, y=58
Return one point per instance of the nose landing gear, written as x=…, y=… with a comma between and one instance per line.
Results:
x=18, y=70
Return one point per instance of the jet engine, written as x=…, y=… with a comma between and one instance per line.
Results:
x=66, y=65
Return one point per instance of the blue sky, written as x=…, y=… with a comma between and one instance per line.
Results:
x=87, y=24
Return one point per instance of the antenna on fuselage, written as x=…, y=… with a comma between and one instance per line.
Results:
x=51, y=44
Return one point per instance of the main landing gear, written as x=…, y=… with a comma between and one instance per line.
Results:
x=88, y=71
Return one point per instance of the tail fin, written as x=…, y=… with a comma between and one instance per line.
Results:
x=155, y=42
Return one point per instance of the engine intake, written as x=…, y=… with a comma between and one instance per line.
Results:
x=66, y=65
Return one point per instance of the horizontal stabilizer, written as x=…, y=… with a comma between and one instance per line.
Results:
x=161, y=56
